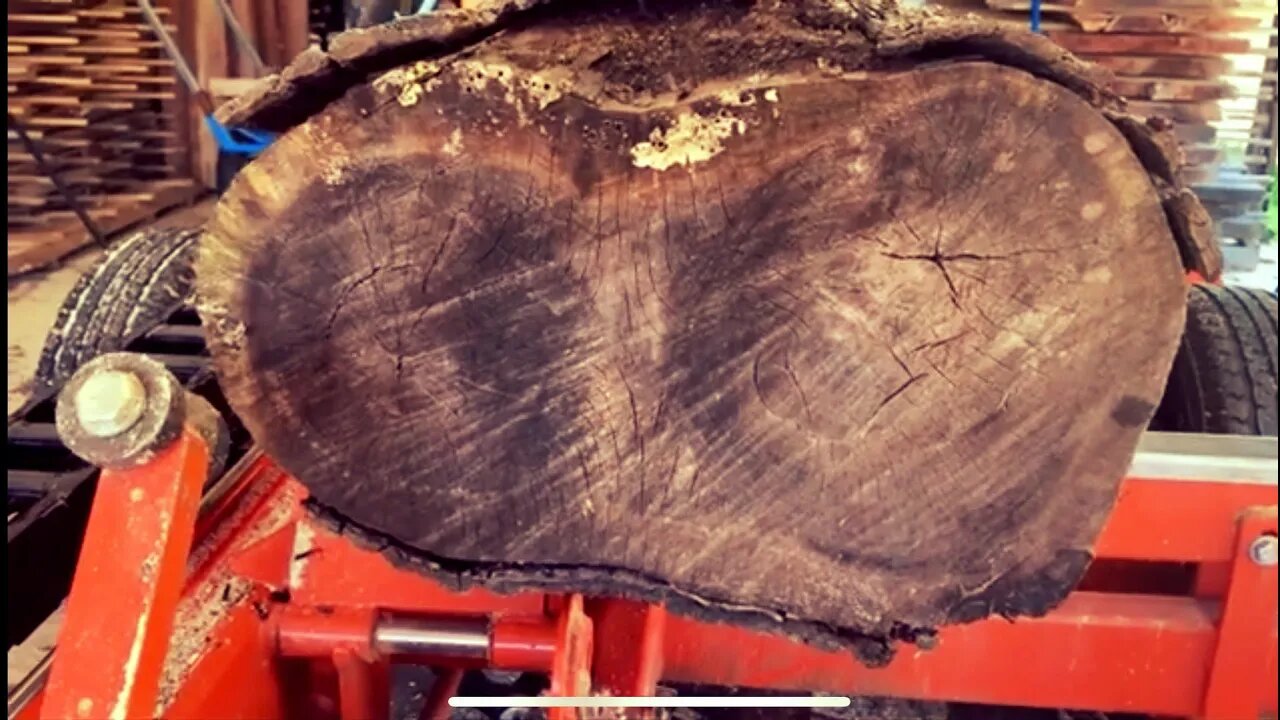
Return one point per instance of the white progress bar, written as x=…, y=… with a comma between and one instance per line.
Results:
x=742, y=701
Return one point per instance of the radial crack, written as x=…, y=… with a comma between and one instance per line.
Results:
x=937, y=259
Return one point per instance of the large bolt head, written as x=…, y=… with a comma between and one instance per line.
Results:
x=1265, y=550
x=110, y=402
x=119, y=408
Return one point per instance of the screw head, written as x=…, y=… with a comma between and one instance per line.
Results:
x=1265, y=551
x=110, y=402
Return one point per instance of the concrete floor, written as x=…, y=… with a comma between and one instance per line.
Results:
x=34, y=300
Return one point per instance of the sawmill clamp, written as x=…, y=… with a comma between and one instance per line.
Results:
x=119, y=409
x=157, y=444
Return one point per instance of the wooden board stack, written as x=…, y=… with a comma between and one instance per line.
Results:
x=1176, y=59
x=1171, y=58
x=92, y=87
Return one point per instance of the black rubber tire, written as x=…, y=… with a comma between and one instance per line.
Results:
x=141, y=281
x=1224, y=375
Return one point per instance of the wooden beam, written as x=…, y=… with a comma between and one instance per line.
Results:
x=211, y=59
x=230, y=87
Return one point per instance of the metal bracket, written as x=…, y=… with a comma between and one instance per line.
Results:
x=1244, y=660
x=128, y=582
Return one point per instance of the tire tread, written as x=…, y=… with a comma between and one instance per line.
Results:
x=1224, y=379
x=139, y=282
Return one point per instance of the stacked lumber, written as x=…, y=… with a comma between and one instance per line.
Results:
x=1171, y=58
x=93, y=90
x=1193, y=62
x=1260, y=138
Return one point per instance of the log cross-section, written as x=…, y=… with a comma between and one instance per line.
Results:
x=847, y=337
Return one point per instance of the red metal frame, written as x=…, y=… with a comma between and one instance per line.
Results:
x=142, y=523
x=277, y=614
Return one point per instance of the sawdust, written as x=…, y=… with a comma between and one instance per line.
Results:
x=209, y=603
x=734, y=98
x=120, y=707
x=283, y=511
x=197, y=616
x=523, y=89
x=453, y=146
x=692, y=139
x=303, y=542
x=410, y=82
x=333, y=173
x=217, y=318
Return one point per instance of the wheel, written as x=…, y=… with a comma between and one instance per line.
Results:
x=141, y=281
x=1224, y=375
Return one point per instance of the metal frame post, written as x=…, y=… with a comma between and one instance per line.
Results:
x=128, y=581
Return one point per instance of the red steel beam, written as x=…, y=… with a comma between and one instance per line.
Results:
x=1178, y=520
x=128, y=580
x=1097, y=651
x=1239, y=671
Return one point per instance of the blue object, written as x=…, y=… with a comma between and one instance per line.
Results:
x=1035, y=15
x=426, y=7
x=239, y=141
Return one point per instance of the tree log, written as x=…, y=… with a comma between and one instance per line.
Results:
x=820, y=317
